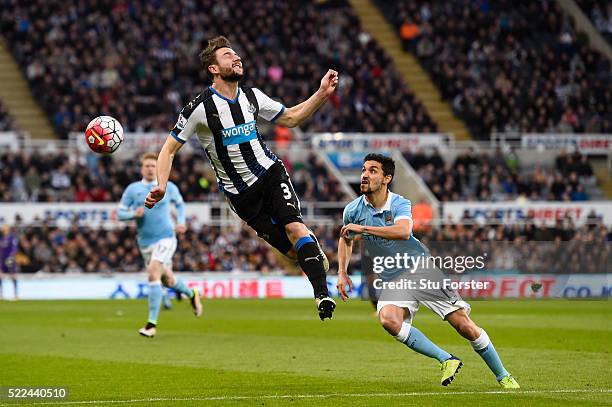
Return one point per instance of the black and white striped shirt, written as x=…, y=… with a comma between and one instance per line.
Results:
x=227, y=130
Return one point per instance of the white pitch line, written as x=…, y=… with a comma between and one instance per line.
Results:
x=317, y=396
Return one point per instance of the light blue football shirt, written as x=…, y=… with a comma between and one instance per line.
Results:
x=361, y=212
x=156, y=224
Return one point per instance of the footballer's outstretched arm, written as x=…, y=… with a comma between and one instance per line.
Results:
x=401, y=230
x=164, y=165
x=345, y=250
x=296, y=115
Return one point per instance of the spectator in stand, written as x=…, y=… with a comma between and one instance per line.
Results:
x=8, y=257
x=7, y=123
x=422, y=214
x=600, y=13
x=409, y=32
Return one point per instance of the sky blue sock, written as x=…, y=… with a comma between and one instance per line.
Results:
x=166, y=299
x=484, y=347
x=418, y=342
x=181, y=287
x=155, y=297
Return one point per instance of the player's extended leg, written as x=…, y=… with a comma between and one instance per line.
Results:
x=313, y=263
x=155, y=270
x=395, y=320
x=277, y=236
x=482, y=345
x=178, y=285
x=282, y=208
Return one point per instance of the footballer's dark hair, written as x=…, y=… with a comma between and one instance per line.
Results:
x=208, y=57
x=387, y=163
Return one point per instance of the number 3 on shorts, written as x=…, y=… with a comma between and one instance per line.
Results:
x=286, y=190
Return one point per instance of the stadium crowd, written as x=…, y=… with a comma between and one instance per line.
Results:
x=80, y=249
x=508, y=66
x=137, y=60
x=498, y=176
x=600, y=13
x=530, y=247
x=7, y=122
x=45, y=177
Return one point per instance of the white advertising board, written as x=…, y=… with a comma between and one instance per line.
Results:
x=86, y=213
x=547, y=212
x=129, y=286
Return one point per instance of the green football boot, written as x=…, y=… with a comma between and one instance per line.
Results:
x=450, y=368
x=509, y=382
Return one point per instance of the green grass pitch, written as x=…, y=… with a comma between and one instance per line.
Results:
x=277, y=352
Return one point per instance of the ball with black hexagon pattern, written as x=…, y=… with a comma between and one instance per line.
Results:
x=104, y=135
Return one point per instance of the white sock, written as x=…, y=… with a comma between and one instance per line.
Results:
x=403, y=333
x=481, y=342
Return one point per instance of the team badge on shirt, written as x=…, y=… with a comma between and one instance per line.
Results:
x=388, y=218
x=251, y=108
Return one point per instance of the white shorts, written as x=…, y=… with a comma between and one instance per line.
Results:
x=162, y=251
x=442, y=308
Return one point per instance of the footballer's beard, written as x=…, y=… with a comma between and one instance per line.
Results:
x=231, y=76
x=368, y=188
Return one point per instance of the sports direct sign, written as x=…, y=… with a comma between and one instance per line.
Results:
x=547, y=212
x=217, y=285
x=596, y=144
x=86, y=214
x=382, y=141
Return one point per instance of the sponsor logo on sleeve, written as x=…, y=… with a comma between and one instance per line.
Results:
x=181, y=123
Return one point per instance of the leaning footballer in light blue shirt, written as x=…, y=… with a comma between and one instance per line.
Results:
x=156, y=223
x=387, y=233
x=157, y=239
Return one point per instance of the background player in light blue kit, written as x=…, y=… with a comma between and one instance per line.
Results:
x=157, y=238
x=385, y=219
